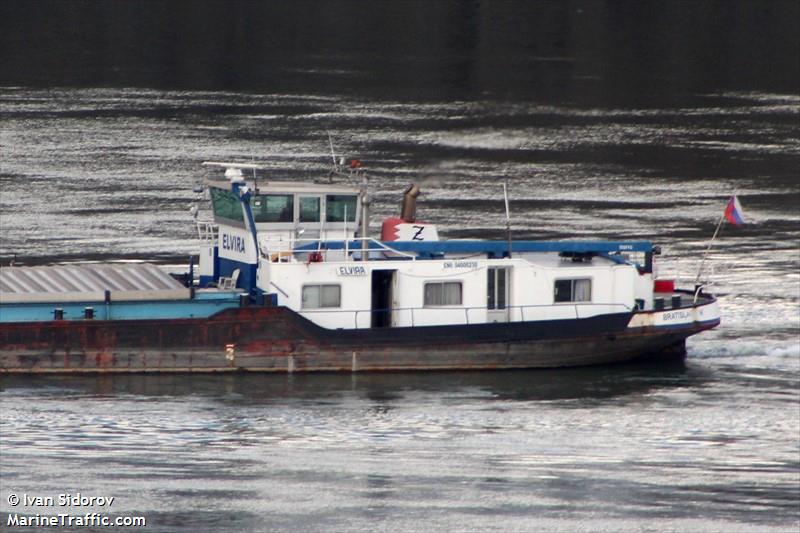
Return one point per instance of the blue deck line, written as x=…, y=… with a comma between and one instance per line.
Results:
x=202, y=306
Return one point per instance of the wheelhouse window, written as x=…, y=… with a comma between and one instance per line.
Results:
x=321, y=296
x=442, y=293
x=337, y=204
x=309, y=208
x=226, y=205
x=273, y=207
x=573, y=290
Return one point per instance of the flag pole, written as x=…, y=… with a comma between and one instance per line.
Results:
x=711, y=242
x=708, y=249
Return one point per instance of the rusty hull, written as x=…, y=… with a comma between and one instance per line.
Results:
x=276, y=339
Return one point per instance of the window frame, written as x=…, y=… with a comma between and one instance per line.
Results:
x=425, y=286
x=320, y=286
x=573, y=282
x=320, y=209
x=328, y=207
x=218, y=193
x=263, y=198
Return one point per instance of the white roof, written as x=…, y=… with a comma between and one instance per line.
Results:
x=288, y=187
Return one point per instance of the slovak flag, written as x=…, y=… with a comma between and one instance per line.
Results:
x=733, y=211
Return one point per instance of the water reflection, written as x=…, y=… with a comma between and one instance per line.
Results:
x=382, y=389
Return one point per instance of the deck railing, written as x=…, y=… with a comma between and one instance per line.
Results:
x=469, y=312
x=207, y=232
x=300, y=246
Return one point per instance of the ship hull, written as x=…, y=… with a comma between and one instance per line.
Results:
x=276, y=339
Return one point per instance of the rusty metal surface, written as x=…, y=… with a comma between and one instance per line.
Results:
x=275, y=339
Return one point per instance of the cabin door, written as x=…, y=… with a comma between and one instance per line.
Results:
x=497, y=283
x=382, y=283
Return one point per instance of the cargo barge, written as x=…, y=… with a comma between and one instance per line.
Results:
x=288, y=280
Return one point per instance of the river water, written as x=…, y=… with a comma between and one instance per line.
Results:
x=105, y=171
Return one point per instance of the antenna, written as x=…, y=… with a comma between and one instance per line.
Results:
x=232, y=165
x=333, y=155
x=335, y=167
x=508, y=216
x=255, y=179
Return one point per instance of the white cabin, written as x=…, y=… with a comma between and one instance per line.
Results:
x=427, y=292
x=301, y=246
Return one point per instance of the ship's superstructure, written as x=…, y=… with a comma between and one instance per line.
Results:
x=301, y=246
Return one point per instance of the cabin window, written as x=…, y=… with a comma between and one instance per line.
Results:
x=443, y=293
x=573, y=290
x=337, y=204
x=273, y=208
x=226, y=205
x=309, y=209
x=318, y=296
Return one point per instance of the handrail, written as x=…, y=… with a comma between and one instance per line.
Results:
x=471, y=308
x=522, y=308
x=285, y=295
x=207, y=231
x=294, y=249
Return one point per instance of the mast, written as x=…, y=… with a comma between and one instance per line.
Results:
x=364, y=217
x=508, y=217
